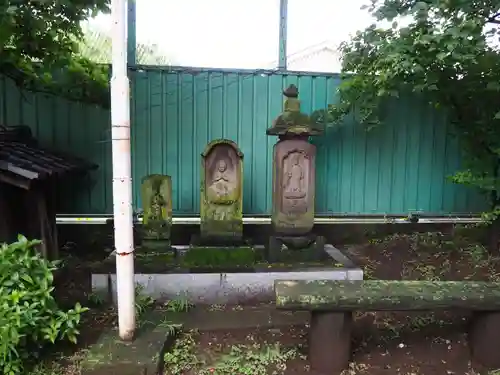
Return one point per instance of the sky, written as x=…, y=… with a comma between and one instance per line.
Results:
x=239, y=33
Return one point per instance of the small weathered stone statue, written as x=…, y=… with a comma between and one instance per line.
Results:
x=156, y=194
x=221, y=193
x=294, y=179
x=292, y=121
x=221, y=185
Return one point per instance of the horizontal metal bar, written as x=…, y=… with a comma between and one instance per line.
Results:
x=60, y=219
x=247, y=72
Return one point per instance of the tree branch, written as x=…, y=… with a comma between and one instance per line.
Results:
x=493, y=19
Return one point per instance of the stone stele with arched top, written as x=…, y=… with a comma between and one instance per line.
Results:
x=221, y=193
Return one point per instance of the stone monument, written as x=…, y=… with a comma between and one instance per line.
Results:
x=156, y=194
x=221, y=194
x=293, y=179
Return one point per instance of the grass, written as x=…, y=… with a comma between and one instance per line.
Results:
x=250, y=358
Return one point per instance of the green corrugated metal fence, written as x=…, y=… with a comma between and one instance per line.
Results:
x=394, y=169
x=68, y=126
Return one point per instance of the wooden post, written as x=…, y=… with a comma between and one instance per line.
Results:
x=45, y=235
x=5, y=214
x=44, y=228
x=51, y=220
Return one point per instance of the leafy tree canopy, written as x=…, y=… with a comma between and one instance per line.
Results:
x=38, y=47
x=445, y=50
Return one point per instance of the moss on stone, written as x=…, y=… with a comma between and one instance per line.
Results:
x=156, y=196
x=223, y=219
x=206, y=257
x=392, y=295
x=231, y=259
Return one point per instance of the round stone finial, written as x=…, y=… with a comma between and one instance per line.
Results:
x=291, y=92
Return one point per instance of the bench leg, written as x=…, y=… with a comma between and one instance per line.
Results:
x=484, y=338
x=330, y=342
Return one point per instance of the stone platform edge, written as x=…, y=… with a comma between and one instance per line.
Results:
x=224, y=288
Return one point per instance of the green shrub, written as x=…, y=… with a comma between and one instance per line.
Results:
x=29, y=316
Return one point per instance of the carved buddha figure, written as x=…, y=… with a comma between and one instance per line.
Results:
x=294, y=179
x=157, y=203
x=221, y=183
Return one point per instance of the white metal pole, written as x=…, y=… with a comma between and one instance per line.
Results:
x=122, y=177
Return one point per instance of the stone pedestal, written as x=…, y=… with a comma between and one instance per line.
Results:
x=156, y=194
x=221, y=194
x=330, y=342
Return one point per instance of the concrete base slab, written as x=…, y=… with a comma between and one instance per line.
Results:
x=226, y=288
x=144, y=355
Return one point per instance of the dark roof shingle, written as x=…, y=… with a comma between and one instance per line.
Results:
x=20, y=155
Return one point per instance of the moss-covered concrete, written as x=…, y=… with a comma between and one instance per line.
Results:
x=392, y=295
x=206, y=257
x=230, y=259
x=111, y=356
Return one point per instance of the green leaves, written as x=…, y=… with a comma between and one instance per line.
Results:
x=29, y=315
x=43, y=48
x=37, y=40
x=443, y=55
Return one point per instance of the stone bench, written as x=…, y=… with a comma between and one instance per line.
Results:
x=332, y=303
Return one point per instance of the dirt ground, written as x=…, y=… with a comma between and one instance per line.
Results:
x=385, y=343
x=379, y=350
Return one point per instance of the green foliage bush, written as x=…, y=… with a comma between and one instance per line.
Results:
x=445, y=53
x=29, y=316
x=39, y=48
